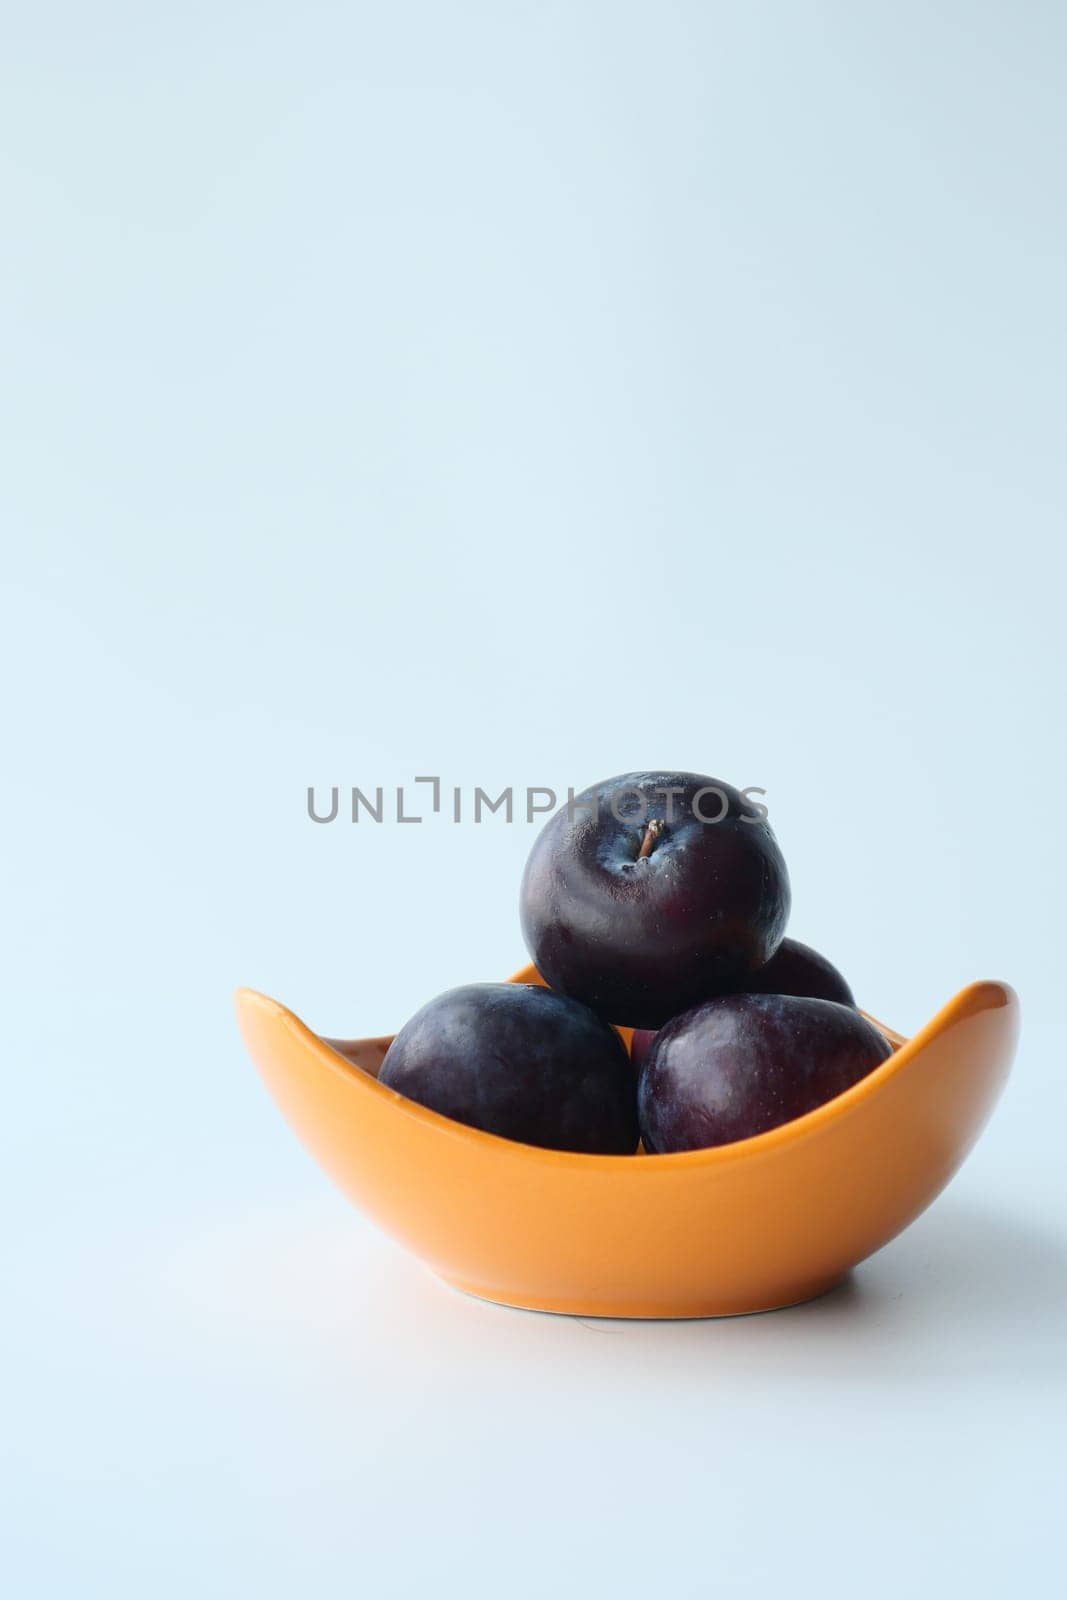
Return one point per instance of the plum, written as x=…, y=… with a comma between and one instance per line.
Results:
x=653, y=891
x=519, y=1061
x=797, y=969
x=794, y=968
x=738, y=1065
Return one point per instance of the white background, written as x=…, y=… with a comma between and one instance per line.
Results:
x=521, y=394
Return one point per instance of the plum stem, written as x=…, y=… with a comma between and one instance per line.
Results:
x=652, y=833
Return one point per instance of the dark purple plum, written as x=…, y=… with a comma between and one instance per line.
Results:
x=797, y=969
x=651, y=892
x=794, y=968
x=744, y=1063
x=519, y=1061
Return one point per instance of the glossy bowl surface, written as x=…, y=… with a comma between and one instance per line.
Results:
x=765, y=1222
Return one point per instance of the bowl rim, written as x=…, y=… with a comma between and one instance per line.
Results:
x=965, y=1002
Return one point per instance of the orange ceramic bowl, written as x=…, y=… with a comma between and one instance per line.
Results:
x=743, y=1227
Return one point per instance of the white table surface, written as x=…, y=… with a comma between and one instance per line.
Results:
x=234, y=1392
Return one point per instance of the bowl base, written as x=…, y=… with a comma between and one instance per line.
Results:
x=631, y=1311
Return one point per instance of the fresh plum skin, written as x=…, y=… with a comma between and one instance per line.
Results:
x=518, y=1061
x=742, y=1064
x=799, y=970
x=794, y=969
x=641, y=938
